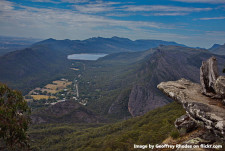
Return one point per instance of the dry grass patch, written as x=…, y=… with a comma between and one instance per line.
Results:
x=56, y=86
x=39, y=97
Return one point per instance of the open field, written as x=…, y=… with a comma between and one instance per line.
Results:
x=48, y=91
x=39, y=97
x=52, y=88
x=56, y=86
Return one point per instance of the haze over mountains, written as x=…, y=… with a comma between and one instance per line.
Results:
x=130, y=74
x=128, y=69
x=8, y=44
x=46, y=58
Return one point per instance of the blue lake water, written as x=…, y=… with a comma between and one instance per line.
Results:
x=85, y=56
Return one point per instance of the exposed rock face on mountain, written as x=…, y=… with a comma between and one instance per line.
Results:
x=65, y=112
x=204, y=110
x=166, y=64
x=119, y=107
x=143, y=99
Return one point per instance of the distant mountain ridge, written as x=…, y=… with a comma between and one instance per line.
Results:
x=218, y=49
x=103, y=45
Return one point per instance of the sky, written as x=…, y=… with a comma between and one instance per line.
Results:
x=195, y=23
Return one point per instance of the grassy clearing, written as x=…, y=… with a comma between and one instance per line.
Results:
x=39, y=97
x=56, y=86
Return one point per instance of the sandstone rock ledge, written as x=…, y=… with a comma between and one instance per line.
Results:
x=205, y=111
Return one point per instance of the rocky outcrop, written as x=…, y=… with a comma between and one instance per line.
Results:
x=185, y=124
x=220, y=87
x=205, y=111
x=203, y=103
x=208, y=76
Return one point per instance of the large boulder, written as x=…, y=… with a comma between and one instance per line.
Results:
x=185, y=124
x=220, y=86
x=208, y=76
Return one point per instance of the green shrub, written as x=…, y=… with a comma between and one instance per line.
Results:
x=174, y=134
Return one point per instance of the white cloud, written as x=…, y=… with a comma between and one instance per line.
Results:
x=211, y=18
x=163, y=8
x=62, y=23
x=89, y=21
x=97, y=7
x=215, y=33
x=126, y=10
x=93, y=8
x=170, y=14
x=45, y=1
x=6, y=6
x=75, y=1
x=203, y=1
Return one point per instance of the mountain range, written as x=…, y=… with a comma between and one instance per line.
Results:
x=123, y=84
x=126, y=78
x=44, y=61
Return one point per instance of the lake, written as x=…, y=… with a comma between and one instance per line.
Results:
x=85, y=56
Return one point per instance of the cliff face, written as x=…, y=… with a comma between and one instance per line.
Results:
x=143, y=99
x=163, y=65
x=166, y=64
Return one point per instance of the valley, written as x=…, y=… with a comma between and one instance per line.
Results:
x=112, y=75
x=123, y=85
x=93, y=100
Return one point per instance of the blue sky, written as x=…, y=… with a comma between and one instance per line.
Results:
x=197, y=23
